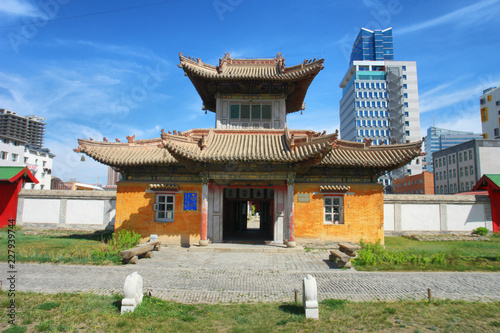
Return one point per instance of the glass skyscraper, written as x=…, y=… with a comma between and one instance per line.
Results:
x=373, y=45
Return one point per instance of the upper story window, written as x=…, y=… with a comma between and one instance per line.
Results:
x=251, y=115
x=4, y=155
x=15, y=157
x=403, y=68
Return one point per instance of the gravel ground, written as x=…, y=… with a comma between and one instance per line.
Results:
x=222, y=273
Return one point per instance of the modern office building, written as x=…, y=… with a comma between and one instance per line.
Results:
x=380, y=97
x=490, y=113
x=29, y=129
x=458, y=168
x=440, y=138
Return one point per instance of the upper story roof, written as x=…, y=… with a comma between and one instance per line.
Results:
x=251, y=76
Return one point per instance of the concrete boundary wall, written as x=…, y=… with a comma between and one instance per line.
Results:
x=413, y=214
x=403, y=214
x=57, y=209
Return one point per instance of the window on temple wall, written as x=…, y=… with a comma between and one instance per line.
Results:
x=164, y=208
x=255, y=115
x=334, y=208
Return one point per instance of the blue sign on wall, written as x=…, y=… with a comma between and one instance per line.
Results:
x=190, y=201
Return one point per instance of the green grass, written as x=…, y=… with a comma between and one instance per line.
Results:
x=93, y=313
x=433, y=255
x=55, y=246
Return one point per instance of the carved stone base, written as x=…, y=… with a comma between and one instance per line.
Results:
x=203, y=242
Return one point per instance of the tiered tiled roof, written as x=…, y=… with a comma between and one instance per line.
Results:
x=267, y=73
x=222, y=146
x=138, y=152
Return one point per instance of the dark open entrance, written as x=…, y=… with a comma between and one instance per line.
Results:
x=248, y=215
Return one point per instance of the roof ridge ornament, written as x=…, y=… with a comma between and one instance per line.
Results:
x=202, y=143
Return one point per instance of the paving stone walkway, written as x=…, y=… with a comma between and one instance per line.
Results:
x=247, y=273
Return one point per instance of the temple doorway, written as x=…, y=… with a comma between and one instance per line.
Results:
x=248, y=215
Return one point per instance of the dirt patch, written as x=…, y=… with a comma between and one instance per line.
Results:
x=447, y=237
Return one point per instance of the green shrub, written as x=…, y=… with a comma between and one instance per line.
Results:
x=124, y=239
x=481, y=231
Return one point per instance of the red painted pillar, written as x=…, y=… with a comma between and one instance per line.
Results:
x=495, y=209
x=204, y=213
x=291, y=216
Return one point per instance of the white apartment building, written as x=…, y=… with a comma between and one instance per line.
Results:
x=11, y=152
x=380, y=103
x=39, y=162
x=490, y=113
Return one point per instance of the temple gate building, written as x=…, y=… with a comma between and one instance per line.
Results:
x=196, y=186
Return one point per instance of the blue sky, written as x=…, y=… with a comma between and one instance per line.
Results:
x=109, y=68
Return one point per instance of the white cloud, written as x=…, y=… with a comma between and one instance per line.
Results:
x=470, y=14
x=465, y=97
x=18, y=8
x=467, y=120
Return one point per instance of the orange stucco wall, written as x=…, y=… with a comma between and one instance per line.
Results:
x=134, y=211
x=363, y=215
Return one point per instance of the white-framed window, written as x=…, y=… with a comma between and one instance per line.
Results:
x=164, y=208
x=15, y=157
x=4, y=155
x=333, y=209
x=251, y=115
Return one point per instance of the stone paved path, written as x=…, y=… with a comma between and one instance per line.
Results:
x=216, y=274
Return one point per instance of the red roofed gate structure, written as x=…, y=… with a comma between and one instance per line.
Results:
x=11, y=182
x=197, y=185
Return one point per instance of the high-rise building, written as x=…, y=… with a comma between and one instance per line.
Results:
x=113, y=176
x=490, y=113
x=373, y=45
x=29, y=129
x=380, y=97
x=440, y=138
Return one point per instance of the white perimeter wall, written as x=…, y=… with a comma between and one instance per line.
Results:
x=435, y=213
x=66, y=209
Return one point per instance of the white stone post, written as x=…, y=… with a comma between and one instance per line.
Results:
x=132, y=291
x=310, y=297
